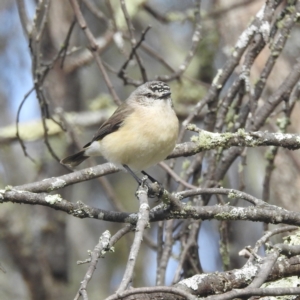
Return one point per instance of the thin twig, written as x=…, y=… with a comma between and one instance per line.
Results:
x=231, y=193
x=122, y=73
x=191, y=53
x=17, y=124
x=141, y=225
x=246, y=293
x=94, y=47
x=176, y=177
x=268, y=234
x=166, y=252
x=133, y=41
x=43, y=21
x=187, y=246
x=26, y=24
x=160, y=242
x=100, y=249
x=152, y=290
x=218, y=12
x=265, y=269
x=66, y=43
x=112, y=15
x=106, y=242
x=95, y=11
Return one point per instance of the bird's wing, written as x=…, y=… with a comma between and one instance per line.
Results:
x=113, y=123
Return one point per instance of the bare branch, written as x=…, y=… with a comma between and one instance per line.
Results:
x=106, y=242
x=224, y=285
x=142, y=223
x=162, y=291
x=99, y=251
x=191, y=53
x=122, y=73
x=26, y=24
x=268, y=234
x=267, y=213
x=133, y=41
x=94, y=47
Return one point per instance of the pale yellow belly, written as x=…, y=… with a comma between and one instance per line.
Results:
x=142, y=144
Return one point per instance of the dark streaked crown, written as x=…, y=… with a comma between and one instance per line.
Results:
x=159, y=89
x=159, y=86
x=153, y=89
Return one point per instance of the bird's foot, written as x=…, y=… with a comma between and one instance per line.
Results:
x=155, y=189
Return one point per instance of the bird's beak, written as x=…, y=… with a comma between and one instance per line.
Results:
x=166, y=95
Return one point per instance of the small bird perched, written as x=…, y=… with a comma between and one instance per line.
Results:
x=141, y=132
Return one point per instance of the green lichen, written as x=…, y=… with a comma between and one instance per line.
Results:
x=191, y=127
x=241, y=132
x=223, y=216
x=232, y=195
x=234, y=214
x=209, y=140
x=250, y=141
x=8, y=188
x=293, y=239
x=165, y=199
x=57, y=184
x=52, y=199
x=282, y=123
x=89, y=172
x=194, y=139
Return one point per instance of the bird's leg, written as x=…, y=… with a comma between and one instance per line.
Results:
x=153, y=180
x=138, y=180
x=151, y=193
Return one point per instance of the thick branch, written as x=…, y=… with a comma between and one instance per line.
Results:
x=220, y=282
x=268, y=213
x=142, y=223
x=55, y=183
x=211, y=140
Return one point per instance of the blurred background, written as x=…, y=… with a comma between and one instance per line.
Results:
x=39, y=247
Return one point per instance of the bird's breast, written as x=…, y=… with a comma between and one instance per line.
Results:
x=147, y=136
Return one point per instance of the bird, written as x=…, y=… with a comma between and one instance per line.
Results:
x=141, y=132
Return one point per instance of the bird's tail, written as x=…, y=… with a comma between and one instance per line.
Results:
x=75, y=159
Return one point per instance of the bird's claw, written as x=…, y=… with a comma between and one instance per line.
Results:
x=155, y=189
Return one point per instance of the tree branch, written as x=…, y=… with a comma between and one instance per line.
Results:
x=142, y=223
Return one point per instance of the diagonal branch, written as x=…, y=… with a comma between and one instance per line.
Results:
x=106, y=242
x=94, y=47
x=142, y=223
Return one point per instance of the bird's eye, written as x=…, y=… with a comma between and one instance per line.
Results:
x=148, y=95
